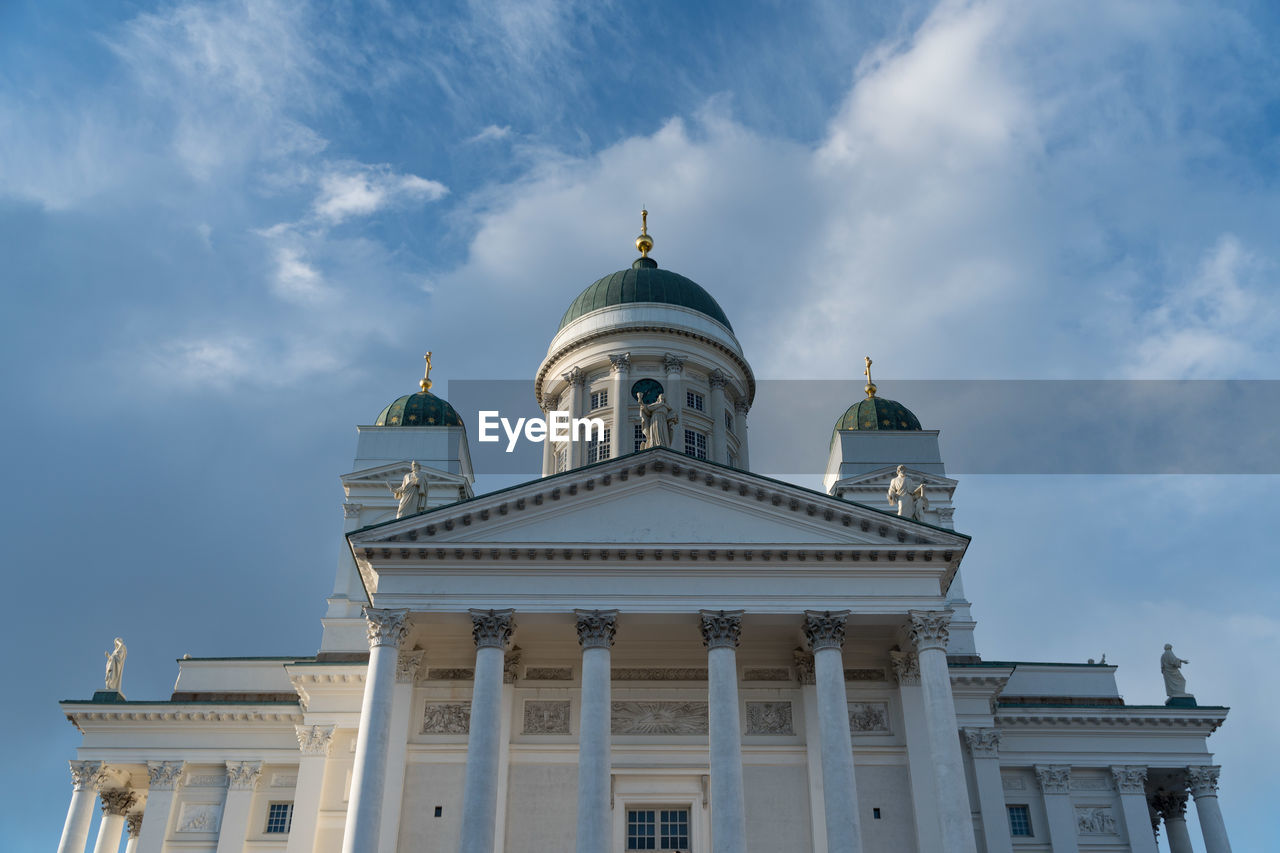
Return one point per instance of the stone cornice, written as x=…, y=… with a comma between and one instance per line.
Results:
x=1206, y=720
x=81, y=714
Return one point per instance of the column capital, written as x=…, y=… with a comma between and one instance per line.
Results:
x=164, y=775
x=824, y=629
x=491, y=629
x=741, y=406
x=117, y=801
x=1170, y=805
x=84, y=774
x=1130, y=778
x=511, y=665
x=1054, y=778
x=243, y=775
x=717, y=379
x=906, y=667
x=549, y=402
x=673, y=363
x=133, y=823
x=386, y=627
x=983, y=742
x=315, y=740
x=1203, y=780
x=620, y=363
x=350, y=510
x=804, y=666
x=928, y=629
x=721, y=629
x=407, y=665
x=596, y=628
x=575, y=376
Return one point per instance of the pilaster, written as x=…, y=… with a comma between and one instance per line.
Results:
x=164, y=779
x=1055, y=785
x=1131, y=784
x=984, y=749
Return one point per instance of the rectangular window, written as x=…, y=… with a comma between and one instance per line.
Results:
x=657, y=829
x=562, y=459
x=728, y=421
x=598, y=451
x=599, y=399
x=694, y=400
x=279, y=817
x=1020, y=821
x=639, y=437
x=695, y=444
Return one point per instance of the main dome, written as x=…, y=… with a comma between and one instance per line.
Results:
x=645, y=282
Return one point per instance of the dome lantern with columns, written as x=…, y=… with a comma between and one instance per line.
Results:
x=650, y=331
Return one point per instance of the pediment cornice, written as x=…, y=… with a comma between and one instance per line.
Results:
x=880, y=477
x=1206, y=720
x=380, y=475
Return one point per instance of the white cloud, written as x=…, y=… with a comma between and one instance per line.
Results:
x=491, y=133
x=354, y=189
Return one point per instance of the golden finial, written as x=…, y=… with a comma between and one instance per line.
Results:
x=644, y=242
x=425, y=383
x=870, y=387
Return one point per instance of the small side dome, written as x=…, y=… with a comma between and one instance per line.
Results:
x=420, y=409
x=878, y=413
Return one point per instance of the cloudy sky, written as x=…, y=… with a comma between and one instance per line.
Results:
x=228, y=231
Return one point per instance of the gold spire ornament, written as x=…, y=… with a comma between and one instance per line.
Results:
x=425, y=382
x=870, y=387
x=644, y=242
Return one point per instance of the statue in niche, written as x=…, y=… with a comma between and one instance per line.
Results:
x=1175, y=685
x=115, y=665
x=412, y=492
x=908, y=495
x=657, y=419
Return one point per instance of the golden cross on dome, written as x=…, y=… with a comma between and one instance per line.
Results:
x=870, y=387
x=425, y=384
x=644, y=242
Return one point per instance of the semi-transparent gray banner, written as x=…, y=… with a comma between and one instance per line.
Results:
x=987, y=426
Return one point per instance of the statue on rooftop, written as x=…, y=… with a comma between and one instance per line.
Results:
x=115, y=665
x=1175, y=685
x=412, y=491
x=908, y=495
x=656, y=421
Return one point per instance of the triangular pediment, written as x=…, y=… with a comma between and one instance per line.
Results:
x=656, y=498
x=395, y=471
x=882, y=476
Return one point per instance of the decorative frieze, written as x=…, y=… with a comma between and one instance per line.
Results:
x=199, y=817
x=804, y=667
x=1203, y=780
x=659, y=718
x=164, y=775
x=1130, y=779
x=867, y=674
x=511, y=665
x=868, y=718
x=721, y=629
x=84, y=774
x=983, y=742
x=659, y=673
x=117, y=801
x=407, y=666
x=906, y=667
x=458, y=673
x=596, y=628
x=284, y=780
x=928, y=629
x=1054, y=778
x=315, y=740
x=1090, y=783
x=243, y=775
x=491, y=629
x=546, y=718
x=206, y=780
x=446, y=718
x=762, y=673
x=1170, y=805
x=825, y=629
x=1095, y=820
x=769, y=718
x=1013, y=783
x=548, y=673
x=386, y=627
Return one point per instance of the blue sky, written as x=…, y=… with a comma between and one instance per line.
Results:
x=229, y=230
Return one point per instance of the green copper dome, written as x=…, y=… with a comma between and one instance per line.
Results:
x=420, y=409
x=878, y=413
x=645, y=282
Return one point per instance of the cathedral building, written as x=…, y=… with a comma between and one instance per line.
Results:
x=648, y=647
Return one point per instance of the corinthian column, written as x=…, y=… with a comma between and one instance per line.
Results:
x=75, y=832
x=163, y=778
x=387, y=630
x=720, y=632
x=1203, y=781
x=1131, y=783
x=133, y=828
x=577, y=379
x=402, y=701
x=719, y=434
x=928, y=629
x=620, y=440
x=491, y=630
x=242, y=780
x=548, y=447
x=595, y=635
x=1171, y=806
x=115, y=805
x=825, y=634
